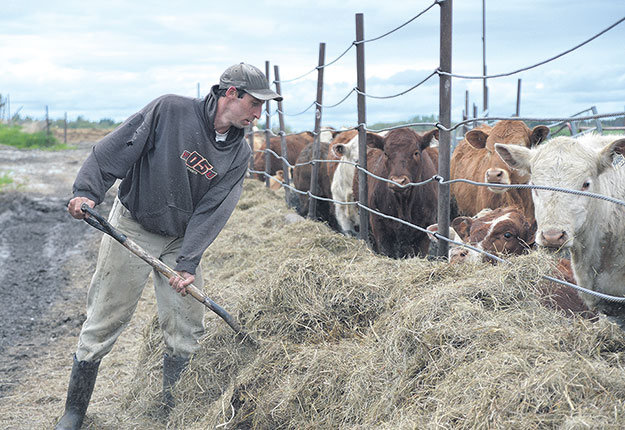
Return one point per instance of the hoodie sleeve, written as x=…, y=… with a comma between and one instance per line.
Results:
x=112, y=157
x=209, y=218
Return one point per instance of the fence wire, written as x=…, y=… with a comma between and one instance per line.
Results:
x=500, y=75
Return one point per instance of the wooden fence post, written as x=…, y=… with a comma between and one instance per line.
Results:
x=285, y=164
x=444, y=118
x=363, y=192
x=316, y=153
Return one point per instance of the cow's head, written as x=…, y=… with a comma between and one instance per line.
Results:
x=510, y=132
x=502, y=231
x=564, y=162
x=348, y=148
x=405, y=155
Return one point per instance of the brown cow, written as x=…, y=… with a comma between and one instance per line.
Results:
x=405, y=159
x=295, y=143
x=475, y=159
x=301, y=181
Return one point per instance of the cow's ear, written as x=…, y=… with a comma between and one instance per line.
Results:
x=477, y=138
x=462, y=226
x=338, y=149
x=430, y=139
x=515, y=156
x=539, y=134
x=431, y=229
x=375, y=141
x=607, y=154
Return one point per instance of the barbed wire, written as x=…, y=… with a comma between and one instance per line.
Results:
x=400, y=26
x=526, y=119
x=398, y=94
x=500, y=75
x=355, y=43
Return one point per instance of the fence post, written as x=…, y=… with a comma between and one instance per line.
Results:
x=363, y=190
x=65, y=129
x=47, y=127
x=312, y=202
x=518, y=98
x=465, y=114
x=267, y=133
x=444, y=118
x=285, y=164
x=597, y=120
x=249, y=130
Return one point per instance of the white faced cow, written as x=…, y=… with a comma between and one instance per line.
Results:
x=593, y=229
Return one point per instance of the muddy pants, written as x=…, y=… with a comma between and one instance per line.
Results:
x=116, y=287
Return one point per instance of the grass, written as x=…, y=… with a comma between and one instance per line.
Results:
x=14, y=136
x=5, y=180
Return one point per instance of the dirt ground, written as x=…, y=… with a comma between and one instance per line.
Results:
x=46, y=261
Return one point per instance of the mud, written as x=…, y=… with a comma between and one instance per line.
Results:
x=43, y=251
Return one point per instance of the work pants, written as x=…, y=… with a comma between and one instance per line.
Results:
x=118, y=283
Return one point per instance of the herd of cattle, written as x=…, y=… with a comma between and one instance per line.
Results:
x=497, y=220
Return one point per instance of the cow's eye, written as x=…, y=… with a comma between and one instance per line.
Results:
x=585, y=186
x=507, y=235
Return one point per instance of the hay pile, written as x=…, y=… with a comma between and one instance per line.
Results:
x=352, y=340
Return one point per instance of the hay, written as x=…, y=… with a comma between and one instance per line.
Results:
x=352, y=340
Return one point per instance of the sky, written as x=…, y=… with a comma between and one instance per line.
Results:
x=108, y=59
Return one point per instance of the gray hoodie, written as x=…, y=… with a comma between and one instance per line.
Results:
x=176, y=179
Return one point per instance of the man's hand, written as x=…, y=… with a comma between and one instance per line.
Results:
x=74, y=207
x=180, y=282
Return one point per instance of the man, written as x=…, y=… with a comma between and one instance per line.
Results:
x=181, y=162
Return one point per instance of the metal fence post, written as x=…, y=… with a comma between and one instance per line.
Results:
x=316, y=153
x=363, y=191
x=267, y=133
x=285, y=164
x=444, y=119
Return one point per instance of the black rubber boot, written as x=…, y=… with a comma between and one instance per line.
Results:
x=172, y=368
x=81, y=383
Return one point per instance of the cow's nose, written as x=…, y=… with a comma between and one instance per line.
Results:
x=554, y=238
x=400, y=180
x=458, y=255
x=494, y=176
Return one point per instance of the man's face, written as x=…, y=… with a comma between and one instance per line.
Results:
x=243, y=111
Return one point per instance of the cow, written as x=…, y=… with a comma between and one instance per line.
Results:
x=475, y=159
x=501, y=231
x=406, y=158
x=504, y=232
x=302, y=172
x=295, y=143
x=593, y=230
x=345, y=147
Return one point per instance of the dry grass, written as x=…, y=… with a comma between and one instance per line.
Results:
x=351, y=340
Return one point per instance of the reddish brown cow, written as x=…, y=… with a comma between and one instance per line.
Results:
x=295, y=143
x=499, y=231
x=405, y=159
x=475, y=159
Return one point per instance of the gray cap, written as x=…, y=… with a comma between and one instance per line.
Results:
x=249, y=79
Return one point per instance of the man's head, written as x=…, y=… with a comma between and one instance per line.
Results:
x=245, y=77
x=242, y=91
